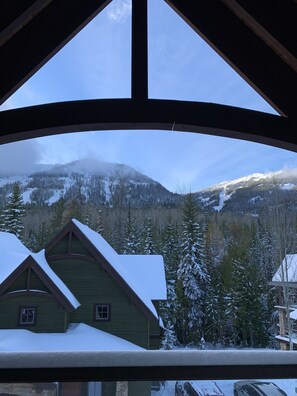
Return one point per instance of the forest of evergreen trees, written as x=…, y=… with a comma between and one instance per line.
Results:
x=218, y=265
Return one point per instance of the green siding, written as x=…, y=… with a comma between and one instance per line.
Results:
x=90, y=285
x=19, y=284
x=62, y=246
x=50, y=317
x=77, y=247
x=36, y=283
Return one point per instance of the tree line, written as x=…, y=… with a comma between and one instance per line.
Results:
x=218, y=266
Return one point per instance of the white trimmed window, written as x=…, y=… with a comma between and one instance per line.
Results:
x=27, y=316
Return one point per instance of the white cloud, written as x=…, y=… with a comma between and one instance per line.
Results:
x=119, y=10
x=19, y=158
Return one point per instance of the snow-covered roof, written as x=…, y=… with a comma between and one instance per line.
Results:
x=121, y=267
x=148, y=270
x=78, y=337
x=13, y=253
x=287, y=271
x=41, y=260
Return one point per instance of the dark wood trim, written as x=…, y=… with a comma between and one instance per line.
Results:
x=29, y=262
x=73, y=256
x=139, y=66
x=112, y=114
x=69, y=242
x=32, y=45
x=29, y=279
x=26, y=293
x=244, y=50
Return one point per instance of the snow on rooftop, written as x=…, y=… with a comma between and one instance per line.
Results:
x=13, y=253
x=9, y=242
x=78, y=337
x=41, y=260
x=149, y=273
x=118, y=264
x=287, y=271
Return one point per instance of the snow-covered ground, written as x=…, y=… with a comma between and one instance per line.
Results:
x=288, y=385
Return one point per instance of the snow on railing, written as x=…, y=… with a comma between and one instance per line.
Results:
x=146, y=365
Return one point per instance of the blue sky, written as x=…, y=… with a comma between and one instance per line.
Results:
x=96, y=64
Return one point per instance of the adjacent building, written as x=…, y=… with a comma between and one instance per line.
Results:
x=79, y=286
x=285, y=281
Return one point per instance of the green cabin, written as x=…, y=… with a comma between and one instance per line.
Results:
x=79, y=286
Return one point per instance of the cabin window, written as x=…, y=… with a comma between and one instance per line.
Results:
x=27, y=316
x=102, y=312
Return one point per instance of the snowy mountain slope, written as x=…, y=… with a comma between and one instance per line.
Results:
x=91, y=181
x=110, y=184
x=252, y=193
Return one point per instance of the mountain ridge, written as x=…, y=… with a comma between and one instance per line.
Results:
x=107, y=184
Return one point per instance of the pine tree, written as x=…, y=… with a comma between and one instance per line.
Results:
x=192, y=276
x=149, y=243
x=12, y=215
x=99, y=223
x=56, y=220
x=131, y=235
x=169, y=340
x=247, y=305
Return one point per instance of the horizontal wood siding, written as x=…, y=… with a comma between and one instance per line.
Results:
x=77, y=247
x=90, y=285
x=36, y=283
x=60, y=248
x=50, y=317
x=19, y=284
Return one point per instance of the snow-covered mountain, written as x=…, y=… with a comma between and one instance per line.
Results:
x=252, y=193
x=91, y=181
x=109, y=184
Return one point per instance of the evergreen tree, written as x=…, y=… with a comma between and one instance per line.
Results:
x=169, y=340
x=149, y=242
x=247, y=305
x=99, y=223
x=56, y=220
x=192, y=276
x=12, y=215
x=131, y=235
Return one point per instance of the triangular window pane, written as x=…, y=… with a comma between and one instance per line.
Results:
x=182, y=66
x=94, y=64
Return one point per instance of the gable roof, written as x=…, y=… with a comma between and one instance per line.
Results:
x=287, y=271
x=118, y=269
x=15, y=258
x=115, y=260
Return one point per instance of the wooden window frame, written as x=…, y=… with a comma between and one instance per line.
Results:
x=108, y=317
x=20, y=322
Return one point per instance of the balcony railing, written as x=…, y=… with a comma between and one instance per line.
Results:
x=146, y=365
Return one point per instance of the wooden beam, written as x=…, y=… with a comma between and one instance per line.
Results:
x=275, y=25
x=112, y=114
x=139, y=66
x=244, y=50
x=32, y=45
